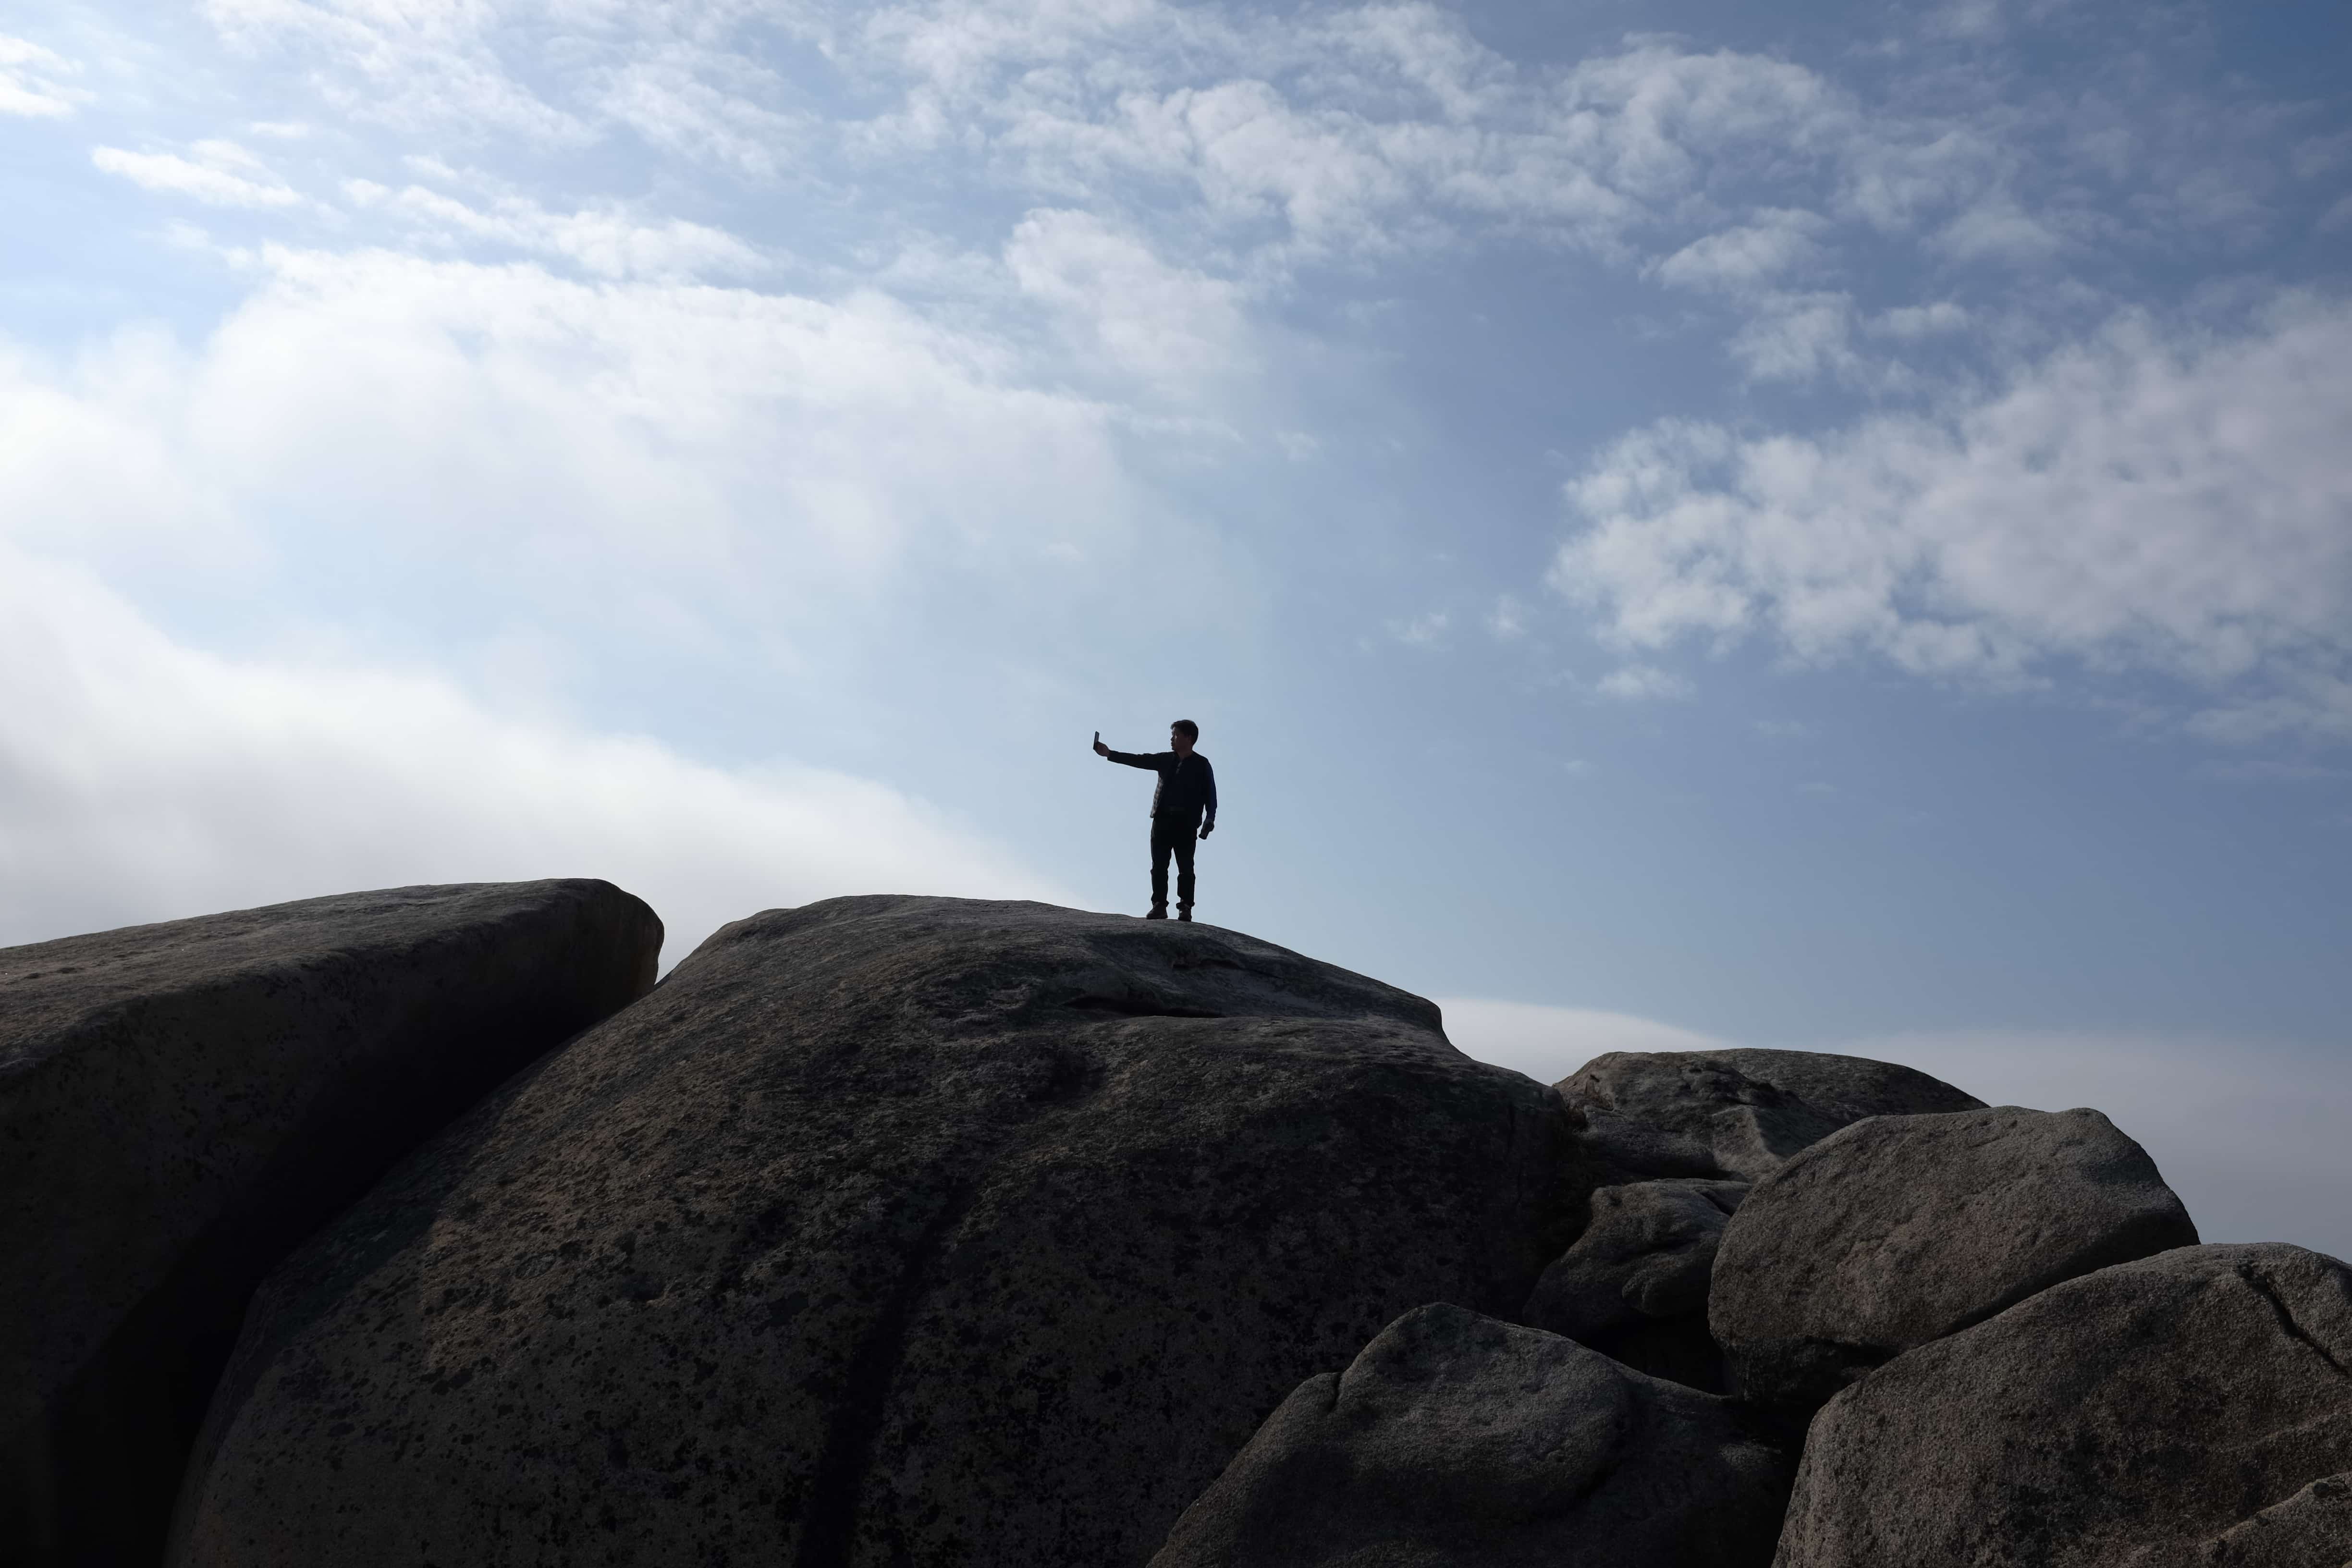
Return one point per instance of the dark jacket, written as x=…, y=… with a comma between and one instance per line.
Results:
x=1187, y=787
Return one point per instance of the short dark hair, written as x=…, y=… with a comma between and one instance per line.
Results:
x=1190, y=731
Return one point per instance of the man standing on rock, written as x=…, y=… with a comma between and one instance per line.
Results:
x=1187, y=790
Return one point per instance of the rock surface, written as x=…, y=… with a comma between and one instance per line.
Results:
x=2313, y=1528
x=885, y=1230
x=181, y=1104
x=1736, y=1114
x=2191, y=1408
x=1635, y=1285
x=1902, y=1229
x=1454, y=1439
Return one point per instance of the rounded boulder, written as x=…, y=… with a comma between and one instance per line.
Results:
x=1457, y=1441
x=2190, y=1410
x=885, y=1231
x=1902, y=1229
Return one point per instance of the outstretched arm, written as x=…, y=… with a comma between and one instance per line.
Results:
x=1132, y=759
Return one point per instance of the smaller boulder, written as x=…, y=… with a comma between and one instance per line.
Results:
x=2190, y=1410
x=1635, y=1285
x=1902, y=1229
x=1457, y=1439
x=1736, y=1113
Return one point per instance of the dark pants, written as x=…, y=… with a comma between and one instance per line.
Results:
x=1173, y=835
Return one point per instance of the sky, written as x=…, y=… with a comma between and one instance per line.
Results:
x=1825, y=526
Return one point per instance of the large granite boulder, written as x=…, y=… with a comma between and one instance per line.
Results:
x=1635, y=1285
x=1736, y=1114
x=1902, y=1229
x=885, y=1230
x=2191, y=1408
x=1457, y=1441
x=181, y=1104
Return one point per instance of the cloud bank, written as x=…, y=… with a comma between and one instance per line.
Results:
x=143, y=780
x=2175, y=503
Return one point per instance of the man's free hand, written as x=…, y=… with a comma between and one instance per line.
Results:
x=1207, y=828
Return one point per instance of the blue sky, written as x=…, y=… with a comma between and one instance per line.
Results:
x=1827, y=528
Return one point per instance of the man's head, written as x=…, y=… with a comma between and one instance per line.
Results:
x=1180, y=736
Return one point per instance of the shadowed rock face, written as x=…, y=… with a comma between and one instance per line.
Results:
x=2191, y=1408
x=1902, y=1229
x=2313, y=1528
x=1457, y=1440
x=1635, y=1285
x=181, y=1104
x=885, y=1230
x=1679, y=1135
x=1736, y=1114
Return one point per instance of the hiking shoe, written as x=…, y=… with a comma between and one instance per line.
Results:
x=1159, y=913
x=1184, y=915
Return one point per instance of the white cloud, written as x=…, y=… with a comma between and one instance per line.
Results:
x=1914, y=323
x=1171, y=327
x=222, y=175
x=1738, y=260
x=1352, y=133
x=30, y=87
x=588, y=443
x=2135, y=502
x=1641, y=683
x=1976, y=20
x=1257, y=146
x=2248, y=1134
x=1997, y=228
x=1424, y=631
x=1898, y=178
x=436, y=64
x=607, y=242
x=705, y=104
x=1795, y=338
x=142, y=780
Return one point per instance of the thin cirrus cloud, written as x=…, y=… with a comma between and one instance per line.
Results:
x=1327, y=136
x=407, y=68
x=603, y=243
x=32, y=81
x=2147, y=502
x=221, y=175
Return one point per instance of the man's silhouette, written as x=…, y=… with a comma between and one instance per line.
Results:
x=1183, y=804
